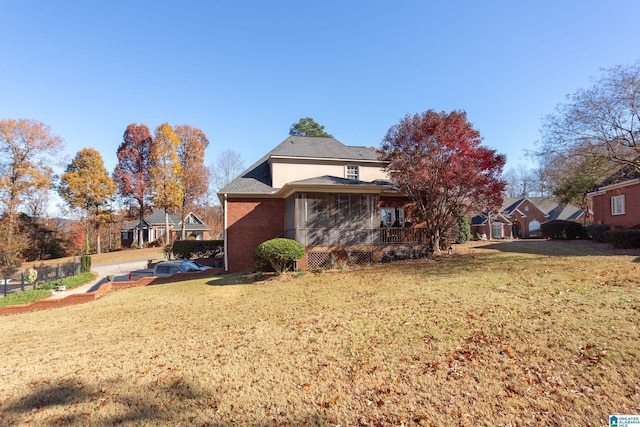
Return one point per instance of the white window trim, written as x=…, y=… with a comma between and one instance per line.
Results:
x=614, y=205
x=357, y=171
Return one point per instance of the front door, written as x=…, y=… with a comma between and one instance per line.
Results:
x=516, y=230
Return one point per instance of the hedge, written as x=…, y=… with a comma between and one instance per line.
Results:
x=188, y=249
x=559, y=229
x=597, y=232
x=623, y=238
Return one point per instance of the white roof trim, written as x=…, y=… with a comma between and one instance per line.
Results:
x=324, y=159
x=606, y=188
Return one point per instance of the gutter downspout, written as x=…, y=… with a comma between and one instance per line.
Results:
x=224, y=227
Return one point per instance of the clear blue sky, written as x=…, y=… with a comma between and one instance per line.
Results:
x=245, y=71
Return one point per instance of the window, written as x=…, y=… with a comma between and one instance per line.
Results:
x=617, y=205
x=534, y=226
x=391, y=217
x=353, y=172
x=497, y=230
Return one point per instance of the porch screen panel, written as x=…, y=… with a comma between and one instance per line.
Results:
x=301, y=219
x=360, y=211
x=335, y=219
x=290, y=217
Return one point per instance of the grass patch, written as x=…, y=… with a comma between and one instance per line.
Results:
x=25, y=297
x=495, y=336
x=70, y=282
x=45, y=290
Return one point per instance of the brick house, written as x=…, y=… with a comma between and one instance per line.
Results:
x=153, y=228
x=522, y=217
x=336, y=200
x=616, y=201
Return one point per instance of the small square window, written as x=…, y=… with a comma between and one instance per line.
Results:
x=353, y=172
x=617, y=205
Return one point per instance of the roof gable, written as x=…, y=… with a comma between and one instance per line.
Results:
x=257, y=178
x=156, y=218
x=548, y=206
x=321, y=148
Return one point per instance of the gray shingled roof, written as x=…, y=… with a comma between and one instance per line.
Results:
x=334, y=180
x=623, y=174
x=548, y=205
x=257, y=178
x=157, y=218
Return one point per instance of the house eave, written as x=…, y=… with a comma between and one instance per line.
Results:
x=270, y=195
x=288, y=189
x=606, y=188
x=326, y=159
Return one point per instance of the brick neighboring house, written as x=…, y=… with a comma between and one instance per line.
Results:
x=616, y=201
x=522, y=217
x=330, y=197
x=153, y=228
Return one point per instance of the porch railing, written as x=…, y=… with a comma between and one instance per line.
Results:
x=403, y=235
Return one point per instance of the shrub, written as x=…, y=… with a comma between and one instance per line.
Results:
x=596, y=232
x=623, y=238
x=465, y=231
x=559, y=229
x=85, y=264
x=70, y=282
x=188, y=249
x=279, y=253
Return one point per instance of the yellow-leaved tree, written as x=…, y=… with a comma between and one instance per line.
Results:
x=27, y=148
x=195, y=175
x=86, y=185
x=167, y=188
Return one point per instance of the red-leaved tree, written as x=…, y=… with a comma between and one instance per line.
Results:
x=132, y=173
x=436, y=160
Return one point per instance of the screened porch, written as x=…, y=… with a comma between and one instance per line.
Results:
x=345, y=219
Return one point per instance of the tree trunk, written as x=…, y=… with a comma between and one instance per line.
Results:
x=140, y=233
x=167, y=238
x=434, y=241
x=183, y=228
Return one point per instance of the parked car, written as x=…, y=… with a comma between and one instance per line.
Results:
x=168, y=268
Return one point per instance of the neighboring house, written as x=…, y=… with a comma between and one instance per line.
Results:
x=153, y=228
x=616, y=201
x=330, y=197
x=523, y=217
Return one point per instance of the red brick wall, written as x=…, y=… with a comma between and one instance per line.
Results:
x=530, y=213
x=249, y=223
x=602, y=207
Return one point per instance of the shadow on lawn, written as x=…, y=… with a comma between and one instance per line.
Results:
x=66, y=404
x=233, y=279
x=548, y=247
x=67, y=394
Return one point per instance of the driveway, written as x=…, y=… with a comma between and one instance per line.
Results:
x=119, y=270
